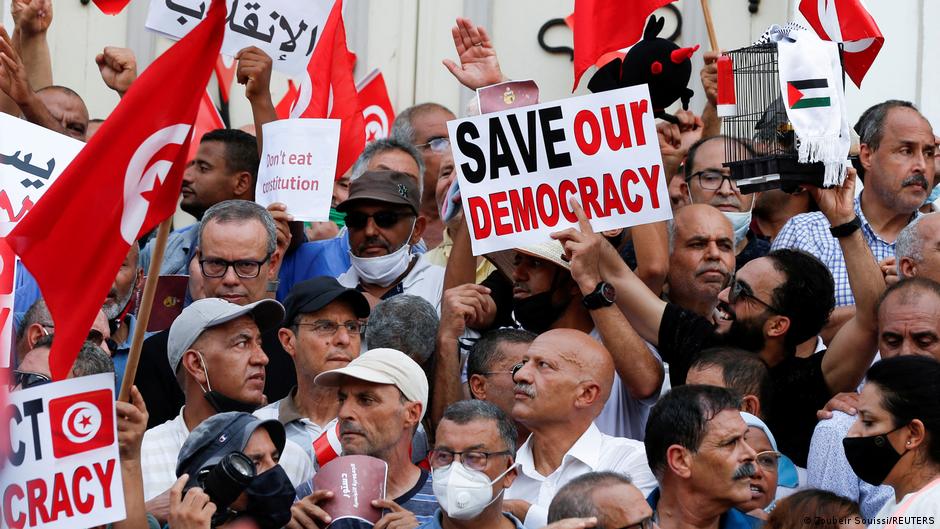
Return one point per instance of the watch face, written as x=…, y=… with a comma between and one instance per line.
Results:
x=607, y=290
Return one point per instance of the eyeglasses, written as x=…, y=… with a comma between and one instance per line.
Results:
x=768, y=460
x=357, y=220
x=712, y=180
x=28, y=379
x=645, y=523
x=438, y=145
x=509, y=372
x=329, y=327
x=474, y=460
x=244, y=268
x=742, y=290
x=96, y=337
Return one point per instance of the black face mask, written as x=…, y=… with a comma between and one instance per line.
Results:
x=873, y=457
x=270, y=496
x=536, y=313
x=222, y=404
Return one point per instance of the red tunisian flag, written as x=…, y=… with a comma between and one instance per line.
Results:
x=848, y=22
x=122, y=184
x=287, y=102
x=328, y=91
x=603, y=26
x=207, y=120
x=225, y=74
x=377, y=110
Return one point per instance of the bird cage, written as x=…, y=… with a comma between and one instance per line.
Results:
x=760, y=121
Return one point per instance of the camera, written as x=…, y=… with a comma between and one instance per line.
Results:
x=224, y=481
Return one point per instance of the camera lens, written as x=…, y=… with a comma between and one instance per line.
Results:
x=227, y=479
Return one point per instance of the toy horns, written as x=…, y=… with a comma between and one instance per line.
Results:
x=682, y=54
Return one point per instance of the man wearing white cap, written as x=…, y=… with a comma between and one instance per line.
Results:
x=383, y=397
x=214, y=347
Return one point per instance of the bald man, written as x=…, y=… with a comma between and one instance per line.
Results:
x=561, y=386
x=701, y=257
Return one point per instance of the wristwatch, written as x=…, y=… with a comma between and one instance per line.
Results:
x=844, y=230
x=603, y=295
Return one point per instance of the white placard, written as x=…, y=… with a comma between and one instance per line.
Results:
x=519, y=168
x=63, y=469
x=287, y=30
x=298, y=166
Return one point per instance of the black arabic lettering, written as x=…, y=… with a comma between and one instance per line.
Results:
x=24, y=165
x=313, y=40
x=250, y=26
x=186, y=11
x=291, y=45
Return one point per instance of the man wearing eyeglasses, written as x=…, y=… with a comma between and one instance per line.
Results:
x=382, y=216
x=472, y=466
x=322, y=330
x=425, y=126
x=707, y=181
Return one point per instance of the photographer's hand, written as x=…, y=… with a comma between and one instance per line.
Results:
x=192, y=511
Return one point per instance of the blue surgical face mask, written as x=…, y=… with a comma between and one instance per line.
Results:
x=934, y=195
x=740, y=222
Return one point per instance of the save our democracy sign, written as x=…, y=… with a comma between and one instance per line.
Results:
x=519, y=169
x=287, y=30
x=62, y=468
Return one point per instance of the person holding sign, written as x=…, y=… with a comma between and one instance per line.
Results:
x=382, y=216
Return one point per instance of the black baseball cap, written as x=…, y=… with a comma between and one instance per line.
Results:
x=313, y=294
x=220, y=435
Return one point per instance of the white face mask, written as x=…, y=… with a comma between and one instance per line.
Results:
x=464, y=493
x=384, y=269
x=740, y=222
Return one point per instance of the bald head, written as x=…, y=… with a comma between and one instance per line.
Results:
x=587, y=357
x=67, y=107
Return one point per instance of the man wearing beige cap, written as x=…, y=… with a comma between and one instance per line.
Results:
x=383, y=222
x=214, y=347
x=383, y=397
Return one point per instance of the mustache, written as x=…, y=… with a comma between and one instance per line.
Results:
x=373, y=242
x=713, y=267
x=917, y=178
x=745, y=471
x=350, y=427
x=522, y=286
x=528, y=389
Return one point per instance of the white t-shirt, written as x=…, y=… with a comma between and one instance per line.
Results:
x=161, y=448
x=916, y=510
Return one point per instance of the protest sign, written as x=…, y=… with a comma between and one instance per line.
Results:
x=287, y=30
x=63, y=468
x=31, y=158
x=518, y=169
x=298, y=165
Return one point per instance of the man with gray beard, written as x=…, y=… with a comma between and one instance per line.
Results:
x=695, y=446
x=116, y=308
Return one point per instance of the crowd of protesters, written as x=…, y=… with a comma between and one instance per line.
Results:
x=761, y=359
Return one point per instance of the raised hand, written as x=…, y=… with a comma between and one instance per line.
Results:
x=837, y=203
x=478, y=64
x=254, y=71
x=32, y=17
x=13, y=80
x=118, y=68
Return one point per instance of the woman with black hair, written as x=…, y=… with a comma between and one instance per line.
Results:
x=896, y=439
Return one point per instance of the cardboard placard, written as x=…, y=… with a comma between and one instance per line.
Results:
x=519, y=169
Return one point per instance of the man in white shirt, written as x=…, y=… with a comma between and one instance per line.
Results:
x=214, y=347
x=561, y=387
x=383, y=220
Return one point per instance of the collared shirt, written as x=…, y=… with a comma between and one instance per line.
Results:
x=180, y=246
x=810, y=232
x=732, y=519
x=424, y=280
x=592, y=452
x=436, y=523
x=299, y=429
x=161, y=448
x=441, y=254
x=828, y=469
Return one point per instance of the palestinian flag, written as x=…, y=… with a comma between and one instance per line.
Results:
x=808, y=93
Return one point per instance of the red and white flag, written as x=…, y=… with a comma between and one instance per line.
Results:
x=207, y=120
x=377, y=110
x=122, y=184
x=287, y=102
x=604, y=26
x=328, y=90
x=225, y=74
x=848, y=22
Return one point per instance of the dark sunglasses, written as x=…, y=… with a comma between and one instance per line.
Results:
x=357, y=220
x=742, y=290
x=27, y=379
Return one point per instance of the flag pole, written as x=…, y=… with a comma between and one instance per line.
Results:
x=143, y=314
x=713, y=40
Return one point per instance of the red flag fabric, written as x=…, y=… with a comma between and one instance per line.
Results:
x=207, y=120
x=328, y=91
x=287, y=102
x=111, y=7
x=122, y=184
x=377, y=111
x=225, y=74
x=848, y=22
x=603, y=26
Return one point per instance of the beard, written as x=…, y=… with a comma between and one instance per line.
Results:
x=113, y=310
x=747, y=334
